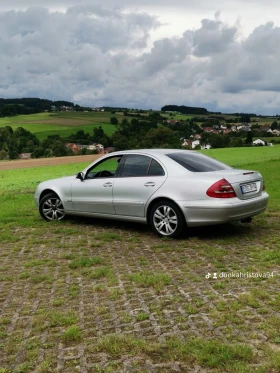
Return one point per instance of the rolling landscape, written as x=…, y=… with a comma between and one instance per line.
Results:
x=67, y=123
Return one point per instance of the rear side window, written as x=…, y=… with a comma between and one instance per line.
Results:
x=136, y=165
x=155, y=169
x=196, y=162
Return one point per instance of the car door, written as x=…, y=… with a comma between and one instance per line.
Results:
x=139, y=178
x=94, y=193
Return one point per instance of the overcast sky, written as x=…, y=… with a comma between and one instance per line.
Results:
x=223, y=55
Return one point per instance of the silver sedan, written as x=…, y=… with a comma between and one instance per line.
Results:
x=168, y=189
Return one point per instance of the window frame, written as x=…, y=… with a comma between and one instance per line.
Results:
x=123, y=161
x=102, y=161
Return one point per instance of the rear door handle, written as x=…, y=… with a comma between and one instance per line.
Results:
x=150, y=184
x=108, y=185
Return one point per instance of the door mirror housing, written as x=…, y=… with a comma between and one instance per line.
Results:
x=80, y=176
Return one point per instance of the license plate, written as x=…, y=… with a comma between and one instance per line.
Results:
x=247, y=188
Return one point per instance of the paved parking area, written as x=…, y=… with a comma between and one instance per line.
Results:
x=90, y=296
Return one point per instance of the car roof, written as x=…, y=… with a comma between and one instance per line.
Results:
x=153, y=151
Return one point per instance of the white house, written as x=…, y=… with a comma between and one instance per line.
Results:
x=207, y=146
x=259, y=142
x=193, y=144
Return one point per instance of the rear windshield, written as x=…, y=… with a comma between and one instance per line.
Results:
x=196, y=162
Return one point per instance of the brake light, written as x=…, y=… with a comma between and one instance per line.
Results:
x=221, y=189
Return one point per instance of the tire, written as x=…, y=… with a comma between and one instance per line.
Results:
x=167, y=219
x=51, y=207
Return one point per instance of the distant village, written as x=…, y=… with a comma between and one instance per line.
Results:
x=134, y=129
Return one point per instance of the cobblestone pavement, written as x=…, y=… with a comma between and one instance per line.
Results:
x=88, y=296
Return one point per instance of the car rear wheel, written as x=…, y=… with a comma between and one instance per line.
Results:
x=167, y=219
x=51, y=207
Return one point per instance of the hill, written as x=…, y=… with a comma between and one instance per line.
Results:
x=185, y=109
x=61, y=123
x=15, y=106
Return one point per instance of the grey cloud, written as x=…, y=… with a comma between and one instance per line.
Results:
x=213, y=37
x=251, y=64
x=97, y=56
x=166, y=52
x=122, y=3
x=265, y=36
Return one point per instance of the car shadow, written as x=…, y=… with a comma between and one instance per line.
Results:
x=232, y=230
x=206, y=232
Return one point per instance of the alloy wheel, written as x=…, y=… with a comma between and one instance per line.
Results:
x=165, y=220
x=53, y=209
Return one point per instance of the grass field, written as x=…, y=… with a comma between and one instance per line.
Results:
x=66, y=123
x=86, y=295
x=62, y=123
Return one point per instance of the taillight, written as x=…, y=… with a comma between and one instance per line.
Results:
x=221, y=189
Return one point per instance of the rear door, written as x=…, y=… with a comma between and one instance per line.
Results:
x=139, y=179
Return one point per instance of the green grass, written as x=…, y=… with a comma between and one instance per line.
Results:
x=85, y=262
x=26, y=179
x=63, y=124
x=70, y=281
x=72, y=334
x=245, y=157
x=209, y=354
x=62, y=318
x=147, y=279
x=17, y=186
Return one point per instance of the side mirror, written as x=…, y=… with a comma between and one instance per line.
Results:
x=80, y=176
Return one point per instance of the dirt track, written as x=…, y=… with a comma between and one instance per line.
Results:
x=29, y=163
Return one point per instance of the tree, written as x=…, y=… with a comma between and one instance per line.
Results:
x=38, y=152
x=249, y=138
x=13, y=150
x=100, y=137
x=161, y=137
x=236, y=142
x=245, y=118
x=59, y=149
x=121, y=142
x=274, y=126
x=114, y=120
x=3, y=154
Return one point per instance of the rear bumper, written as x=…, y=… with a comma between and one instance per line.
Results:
x=218, y=211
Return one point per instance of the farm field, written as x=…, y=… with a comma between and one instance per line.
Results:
x=62, y=123
x=86, y=295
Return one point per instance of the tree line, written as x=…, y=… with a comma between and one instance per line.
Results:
x=185, y=109
x=149, y=131
x=16, y=106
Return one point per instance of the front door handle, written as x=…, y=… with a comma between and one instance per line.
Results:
x=150, y=184
x=108, y=185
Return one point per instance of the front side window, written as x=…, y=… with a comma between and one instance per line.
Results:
x=196, y=162
x=106, y=168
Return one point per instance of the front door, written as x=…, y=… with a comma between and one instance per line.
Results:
x=94, y=194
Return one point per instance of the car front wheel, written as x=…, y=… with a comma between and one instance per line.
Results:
x=167, y=219
x=51, y=207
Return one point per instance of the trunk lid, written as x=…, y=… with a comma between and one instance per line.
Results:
x=246, y=184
